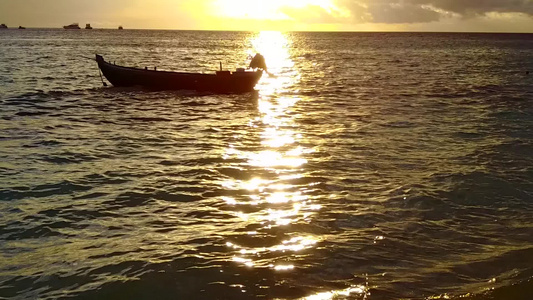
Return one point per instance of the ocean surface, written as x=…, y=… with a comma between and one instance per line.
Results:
x=367, y=166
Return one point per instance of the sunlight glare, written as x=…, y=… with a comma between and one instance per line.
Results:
x=265, y=10
x=283, y=267
x=273, y=202
x=356, y=289
x=274, y=159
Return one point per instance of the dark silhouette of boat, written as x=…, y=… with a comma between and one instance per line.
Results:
x=72, y=26
x=3, y=26
x=240, y=81
x=88, y=26
x=120, y=28
x=20, y=27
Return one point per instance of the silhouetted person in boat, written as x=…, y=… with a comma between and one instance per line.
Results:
x=258, y=62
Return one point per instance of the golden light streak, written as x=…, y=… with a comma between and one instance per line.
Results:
x=283, y=267
x=295, y=244
x=270, y=203
x=360, y=289
x=274, y=159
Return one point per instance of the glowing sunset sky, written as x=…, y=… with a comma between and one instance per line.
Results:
x=368, y=15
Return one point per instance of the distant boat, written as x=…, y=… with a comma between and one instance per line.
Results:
x=20, y=27
x=3, y=26
x=120, y=28
x=72, y=26
x=225, y=82
x=88, y=26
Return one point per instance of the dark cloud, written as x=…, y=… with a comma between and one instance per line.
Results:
x=479, y=7
x=406, y=13
x=424, y=11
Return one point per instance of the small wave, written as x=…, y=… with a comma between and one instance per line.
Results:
x=37, y=232
x=91, y=196
x=504, y=284
x=176, y=197
x=31, y=113
x=468, y=135
x=129, y=199
x=149, y=119
x=41, y=96
x=518, y=291
x=49, y=143
x=43, y=190
x=68, y=158
x=399, y=124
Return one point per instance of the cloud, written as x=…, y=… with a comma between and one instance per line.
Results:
x=402, y=13
x=425, y=11
x=480, y=7
x=313, y=14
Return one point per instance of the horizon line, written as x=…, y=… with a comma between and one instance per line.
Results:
x=313, y=31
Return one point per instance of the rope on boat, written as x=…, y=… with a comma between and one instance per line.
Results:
x=91, y=58
x=101, y=78
x=99, y=72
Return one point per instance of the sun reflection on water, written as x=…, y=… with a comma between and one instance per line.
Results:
x=274, y=46
x=272, y=208
x=267, y=204
x=356, y=289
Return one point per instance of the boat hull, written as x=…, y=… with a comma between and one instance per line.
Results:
x=221, y=82
x=72, y=26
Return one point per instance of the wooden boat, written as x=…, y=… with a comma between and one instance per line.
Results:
x=3, y=26
x=22, y=27
x=240, y=81
x=72, y=26
x=88, y=26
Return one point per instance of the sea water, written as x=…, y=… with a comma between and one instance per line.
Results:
x=367, y=166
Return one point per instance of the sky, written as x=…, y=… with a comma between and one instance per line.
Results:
x=285, y=15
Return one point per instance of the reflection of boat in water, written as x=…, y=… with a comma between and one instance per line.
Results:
x=20, y=27
x=3, y=26
x=120, y=28
x=88, y=26
x=240, y=81
x=72, y=26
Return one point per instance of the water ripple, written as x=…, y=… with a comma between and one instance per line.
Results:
x=371, y=166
